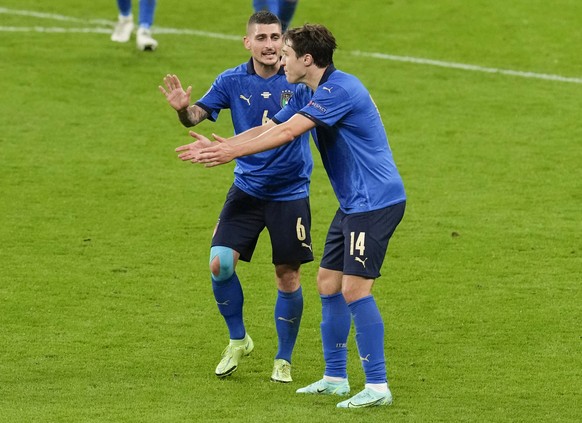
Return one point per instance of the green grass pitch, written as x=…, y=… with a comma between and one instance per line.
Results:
x=106, y=310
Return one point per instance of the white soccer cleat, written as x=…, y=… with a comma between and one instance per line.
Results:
x=145, y=42
x=367, y=398
x=324, y=387
x=123, y=29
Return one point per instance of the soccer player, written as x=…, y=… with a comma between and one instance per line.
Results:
x=124, y=27
x=358, y=160
x=270, y=190
x=284, y=9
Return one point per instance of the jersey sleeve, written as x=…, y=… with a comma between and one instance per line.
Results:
x=329, y=104
x=215, y=99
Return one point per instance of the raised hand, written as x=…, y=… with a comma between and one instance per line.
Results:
x=175, y=94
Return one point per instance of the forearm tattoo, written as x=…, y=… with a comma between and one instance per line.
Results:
x=192, y=115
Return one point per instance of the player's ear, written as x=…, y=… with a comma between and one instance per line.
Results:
x=307, y=59
x=247, y=42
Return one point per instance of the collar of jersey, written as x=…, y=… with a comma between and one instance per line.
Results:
x=330, y=69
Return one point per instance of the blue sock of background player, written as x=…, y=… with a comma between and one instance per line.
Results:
x=124, y=7
x=146, y=11
x=284, y=9
x=288, y=311
x=270, y=5
x=286, y=12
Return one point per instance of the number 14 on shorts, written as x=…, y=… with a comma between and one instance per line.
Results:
x=358, y=243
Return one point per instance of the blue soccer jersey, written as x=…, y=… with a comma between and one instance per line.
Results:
x=352, y=142
x=281, y=174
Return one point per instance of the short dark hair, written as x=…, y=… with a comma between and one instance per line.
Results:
x=263, y=17
x=315, y=40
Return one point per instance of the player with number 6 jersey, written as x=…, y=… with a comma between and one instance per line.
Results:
x=270, y=189
x=281, y=174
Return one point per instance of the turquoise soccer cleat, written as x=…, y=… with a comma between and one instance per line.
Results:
x=367, y=398
x=324, y=387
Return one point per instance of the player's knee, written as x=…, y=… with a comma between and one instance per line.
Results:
x=221, y=263
x=288, y=277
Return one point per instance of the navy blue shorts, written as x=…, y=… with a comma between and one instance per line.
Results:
x=244, y=217
x=356, y=244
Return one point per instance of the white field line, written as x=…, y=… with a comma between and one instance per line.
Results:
x=462, y=66
x=54, y=29
x=53, y=16
x=96, y=30
x=206, y=34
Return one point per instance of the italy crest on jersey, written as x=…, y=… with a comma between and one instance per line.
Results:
x=285, y=97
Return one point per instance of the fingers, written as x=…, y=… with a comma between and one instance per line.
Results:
x=218, y=138
x=210, y=156
x=168, y=82
x=188, y=156
x=176, y=82
x=172, y=82
x=204, y=151
x=195, y=135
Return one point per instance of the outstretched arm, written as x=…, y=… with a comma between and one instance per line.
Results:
x=180, y=101
x=254, y=140
x=191, y=151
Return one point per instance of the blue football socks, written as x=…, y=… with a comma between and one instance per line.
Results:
x=147, y=9
x=284, y=9
x=124, y=7
x=335, y=328
x=286, y=12
x=288, y=311
x=369, y=338
x=259, y=5
x=230, y=299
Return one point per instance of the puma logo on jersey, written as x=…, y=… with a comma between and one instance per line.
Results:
x=366, y=358
x=224, y=303
x=306, y=246
x=291, y=320
x=328, y=89
x=248, y=100
x=361, y=261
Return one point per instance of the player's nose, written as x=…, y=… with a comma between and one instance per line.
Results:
x=271, y=42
